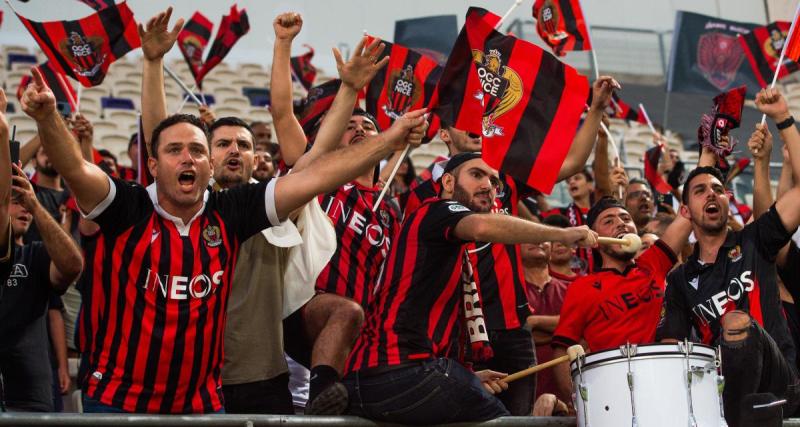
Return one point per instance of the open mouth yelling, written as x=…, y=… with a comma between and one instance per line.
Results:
x=712, y=209
x=233, y=164
x=186, y=180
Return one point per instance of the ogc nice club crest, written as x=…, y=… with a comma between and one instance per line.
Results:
x=85, y=53
x=501, y=89
x=718, y=58
x=404, y=89
x=548, y=20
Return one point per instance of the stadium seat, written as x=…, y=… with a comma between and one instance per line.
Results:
x=22, y=60
x=257, y=96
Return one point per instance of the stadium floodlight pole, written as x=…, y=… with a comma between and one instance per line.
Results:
x=780, y=60
x=182, y=85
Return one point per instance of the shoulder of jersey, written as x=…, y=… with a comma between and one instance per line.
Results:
x=454, y=206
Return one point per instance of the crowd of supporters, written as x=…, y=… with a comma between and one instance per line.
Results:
x=263, y=273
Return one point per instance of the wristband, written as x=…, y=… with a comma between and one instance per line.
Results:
x=785, y=124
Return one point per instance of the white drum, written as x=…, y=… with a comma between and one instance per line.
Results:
x=655, y=385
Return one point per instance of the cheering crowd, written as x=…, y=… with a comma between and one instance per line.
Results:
x=265, y=273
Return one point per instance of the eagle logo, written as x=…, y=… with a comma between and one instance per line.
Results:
x=85, y=53
x=501, y=89
x=212, y=236
x=404, y=90
x=547, y=20
x=719, y=57
x=194, y=50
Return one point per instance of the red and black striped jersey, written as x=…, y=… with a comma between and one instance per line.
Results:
x=127, y=174
x=416, y=306
x=498, y=270
x=363, y=238
x=154, y=296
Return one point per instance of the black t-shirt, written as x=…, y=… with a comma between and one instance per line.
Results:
x=51, y=200
x=743, y=277
x=24, y=354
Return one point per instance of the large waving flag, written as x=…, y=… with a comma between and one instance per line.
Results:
x=192, y=41
x=762, y=46
x=407, y=83
x=524, y=101
x=84, y=49
x=561, y=25
x=302, y=70
x=231, y=29
x=98, y=4
x=317, y=102
x=57, y=82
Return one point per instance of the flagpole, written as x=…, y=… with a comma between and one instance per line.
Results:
x=182, y=85
x=507, y=14
x=405, y=151
x=647, y=119
x=780, y=61
x=185, y=98
x=78, y=99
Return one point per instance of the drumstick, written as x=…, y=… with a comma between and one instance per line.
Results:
x=629, y=242
x=573, y=353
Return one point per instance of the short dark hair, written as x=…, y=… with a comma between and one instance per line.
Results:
x=586, y=173
x=134, y=140
x=700, y=170
x=638, y=181
x=556, y=220
x=231, y=121
x=174, y=120
x=361, y=112
x=105, y=153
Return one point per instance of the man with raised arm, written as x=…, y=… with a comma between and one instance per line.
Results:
x=169, y=251
x=321, y=333
x=727, y=292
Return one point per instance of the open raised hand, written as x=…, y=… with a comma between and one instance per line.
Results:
x=157, y=40
x=363, y=65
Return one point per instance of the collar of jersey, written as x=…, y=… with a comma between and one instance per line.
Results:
x=183, y=229
x=615, y=271
x=694, y=259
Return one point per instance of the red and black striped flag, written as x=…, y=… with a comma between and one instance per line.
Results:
x=57, y=82
x=529, y=103
x=97, y=4
x=302, y=70
x=407, y=83
x=317, y=102
x=561, y=25
x=231, y=29
x=762, y=46
x=84, y=49
x=143, y=173
x=651, y=159
x=624, y=111
x=192, y=41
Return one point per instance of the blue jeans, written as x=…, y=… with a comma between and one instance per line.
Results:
x=435, y=391
x=91, y=406
x=513, y=351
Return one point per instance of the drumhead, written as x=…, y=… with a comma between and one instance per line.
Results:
x=699, y=351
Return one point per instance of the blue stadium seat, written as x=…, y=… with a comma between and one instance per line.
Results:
x=20, y=58
x=258, y=96
x=117, y=103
